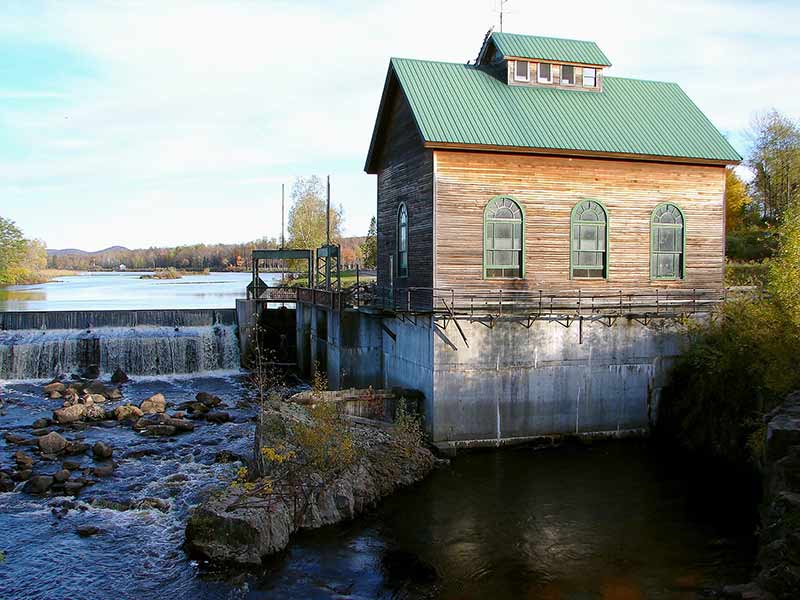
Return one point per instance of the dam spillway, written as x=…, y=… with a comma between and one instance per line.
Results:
x=37, y=345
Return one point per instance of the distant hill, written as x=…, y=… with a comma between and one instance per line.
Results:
x=77, y=252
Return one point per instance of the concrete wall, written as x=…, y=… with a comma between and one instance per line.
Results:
x=408, y=359
x=85, y=319
x=354, y=350
x=514, y=383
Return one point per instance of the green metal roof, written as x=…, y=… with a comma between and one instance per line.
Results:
x=463, y=104
x=556, y=49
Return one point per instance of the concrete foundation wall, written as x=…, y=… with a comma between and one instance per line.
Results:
x=512, y=382
x=408, y=359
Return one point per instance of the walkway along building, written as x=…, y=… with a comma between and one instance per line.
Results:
x=541, y=228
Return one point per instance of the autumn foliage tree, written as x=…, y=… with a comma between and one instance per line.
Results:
x=307, y=220
x=737, y=201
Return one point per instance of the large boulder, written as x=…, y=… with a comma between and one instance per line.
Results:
x=154, y=404
x=52, y=443
x=69, y=414
x=95, y=412
x=38, y=484
x=113, y=393
x=102, y=451
x=207, y=399
x=119, y=376
x=127, y=411
x=56, y=386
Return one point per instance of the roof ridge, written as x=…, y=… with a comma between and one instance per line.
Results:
x=546, y=37
x=437, y=62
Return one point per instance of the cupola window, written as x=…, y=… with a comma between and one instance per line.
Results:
x=545, y=74
x=589, y=77
x=522, y=71
x=567, y=75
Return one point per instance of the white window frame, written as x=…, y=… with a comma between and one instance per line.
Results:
x=594, y=78
x=539, y=77
x=516, y=75
x=561, y=75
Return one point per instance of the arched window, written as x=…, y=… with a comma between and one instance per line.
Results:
x=589, y=236
x=402, y=241
x=503, y=236
x=667, y=242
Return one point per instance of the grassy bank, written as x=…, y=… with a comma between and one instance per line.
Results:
x=348, y=279
x=24, y=277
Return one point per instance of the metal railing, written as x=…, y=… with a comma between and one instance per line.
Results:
x=503, y=303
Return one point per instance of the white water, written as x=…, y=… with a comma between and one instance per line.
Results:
x=148, y=350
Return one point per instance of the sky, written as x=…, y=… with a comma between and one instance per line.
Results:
x=169, y=122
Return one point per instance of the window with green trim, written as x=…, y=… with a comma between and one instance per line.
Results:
x=666, y=242
x=402, y=240
x=589, y=237
x=502, y=250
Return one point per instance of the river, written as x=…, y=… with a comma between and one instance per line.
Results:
x=128, y=291
x=606, y=521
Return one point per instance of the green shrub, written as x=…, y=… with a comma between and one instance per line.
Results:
x=747, y=273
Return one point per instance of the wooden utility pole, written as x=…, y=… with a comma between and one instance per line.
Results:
x=283, y=240
x=328, y=235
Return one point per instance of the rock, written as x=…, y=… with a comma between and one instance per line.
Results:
x=40, y=423
x=22, y=475
x=70, y=465
x=6, y=484
x=52, y=443
x=91, y=372
x=218, y=417
x=198, y=408
x=117, y=505
x=23, y=460
x=154, y=404
x=119, y=376
x=113, y=393
x=103, y=471
x=38, y=484
x=207, y=399
x=178, y=424
x=56, y=386
x=55, y=395
x=127, y=411
x=95, y=413
x=87, y=530
x=39, y=433
x=97, y=398
x=152, y=503
x=220, y=530
x=73, y=487
x=76, y=448
x=61, y=476
x=226, y=456
x=160, y=430
x=13, y=438
x=102, y=451
x=69, y=414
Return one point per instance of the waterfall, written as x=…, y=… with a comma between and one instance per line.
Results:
x=144, y=350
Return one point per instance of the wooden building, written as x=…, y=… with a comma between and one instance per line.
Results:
x=533, y=170
x=535, y=218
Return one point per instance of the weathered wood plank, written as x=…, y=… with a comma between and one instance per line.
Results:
x=547, y=188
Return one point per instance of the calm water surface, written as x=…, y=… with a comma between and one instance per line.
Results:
x=609, y=521
x=127, y=291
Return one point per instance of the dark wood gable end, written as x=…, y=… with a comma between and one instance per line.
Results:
x=405, y=175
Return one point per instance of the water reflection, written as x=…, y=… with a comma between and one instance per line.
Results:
x=608, y=522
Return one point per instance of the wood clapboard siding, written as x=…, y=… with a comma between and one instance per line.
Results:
x=548, y=188
x=405, y=174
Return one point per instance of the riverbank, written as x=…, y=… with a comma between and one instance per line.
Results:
x=39, y=277
x=313, y=467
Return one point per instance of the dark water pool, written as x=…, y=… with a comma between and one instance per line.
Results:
x=607, y=521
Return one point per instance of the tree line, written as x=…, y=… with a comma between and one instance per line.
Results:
x=23, y=260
